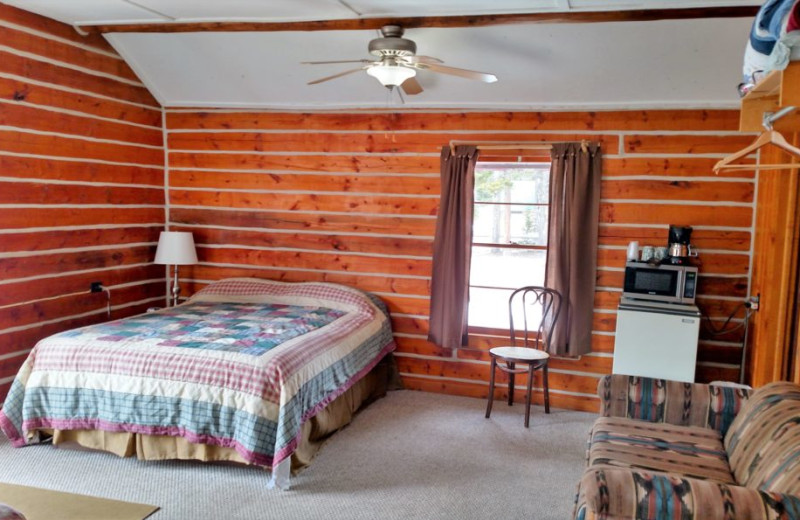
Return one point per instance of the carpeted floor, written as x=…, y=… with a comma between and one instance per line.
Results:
x=410, y=455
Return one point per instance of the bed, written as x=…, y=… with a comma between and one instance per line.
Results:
x=249, y=370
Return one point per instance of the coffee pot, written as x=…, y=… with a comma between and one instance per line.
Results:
x=679, y=245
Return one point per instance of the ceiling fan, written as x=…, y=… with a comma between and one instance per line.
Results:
x=398, y=63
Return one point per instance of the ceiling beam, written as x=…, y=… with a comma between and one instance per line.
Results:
x=360, y=24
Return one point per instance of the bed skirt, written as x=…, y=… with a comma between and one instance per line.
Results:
x=314, y=432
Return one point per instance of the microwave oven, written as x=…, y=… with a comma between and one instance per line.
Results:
x=663, y=283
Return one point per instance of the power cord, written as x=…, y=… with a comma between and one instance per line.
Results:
x=714, y=331
x=108, y=299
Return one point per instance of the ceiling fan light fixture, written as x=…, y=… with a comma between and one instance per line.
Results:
x=391, y=75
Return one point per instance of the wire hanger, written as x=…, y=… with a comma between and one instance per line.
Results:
x=769, y=136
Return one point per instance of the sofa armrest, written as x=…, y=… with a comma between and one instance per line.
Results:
x=673, y=402
x=622, y=494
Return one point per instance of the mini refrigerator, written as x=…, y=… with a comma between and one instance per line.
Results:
x=656, y=339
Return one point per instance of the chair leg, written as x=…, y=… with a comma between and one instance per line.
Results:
x=491, y=388
x=511, y=385
x=546, y=389
x=528, y=395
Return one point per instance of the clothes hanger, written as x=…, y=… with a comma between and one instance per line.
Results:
x=768, y=137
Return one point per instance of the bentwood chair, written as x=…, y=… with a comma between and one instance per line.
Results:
x=538, y=308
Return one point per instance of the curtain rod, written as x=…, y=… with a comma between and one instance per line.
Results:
x=510, y=145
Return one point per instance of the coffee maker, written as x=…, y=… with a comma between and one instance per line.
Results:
x=679, y=245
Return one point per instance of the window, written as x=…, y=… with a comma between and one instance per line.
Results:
x=509, y=242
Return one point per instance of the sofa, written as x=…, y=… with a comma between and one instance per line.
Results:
x=670, y=450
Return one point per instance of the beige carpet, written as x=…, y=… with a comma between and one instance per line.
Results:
x=44, y=504
x=410, y=456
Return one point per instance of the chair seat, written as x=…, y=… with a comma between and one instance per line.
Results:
x=519, y=353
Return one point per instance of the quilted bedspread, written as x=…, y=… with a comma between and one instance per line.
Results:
x=242, y=364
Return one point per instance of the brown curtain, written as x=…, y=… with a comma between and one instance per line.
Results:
x=572, y=242
x=452, y=248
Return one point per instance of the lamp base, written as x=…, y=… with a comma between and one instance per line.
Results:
x=176, y=289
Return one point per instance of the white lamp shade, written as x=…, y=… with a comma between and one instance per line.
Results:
x=391, y=75
x=176, y=248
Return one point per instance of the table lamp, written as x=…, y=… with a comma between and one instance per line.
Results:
x=175, y=248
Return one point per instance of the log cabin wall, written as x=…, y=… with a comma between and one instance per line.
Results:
x=81, y=184
x=352, y=198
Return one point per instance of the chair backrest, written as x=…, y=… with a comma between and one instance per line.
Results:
x=535, y=330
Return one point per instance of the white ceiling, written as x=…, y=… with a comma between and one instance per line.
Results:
x=689, y=63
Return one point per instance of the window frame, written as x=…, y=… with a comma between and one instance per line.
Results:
x=537, y=163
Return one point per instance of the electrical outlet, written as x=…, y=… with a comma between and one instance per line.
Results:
x=96, y=287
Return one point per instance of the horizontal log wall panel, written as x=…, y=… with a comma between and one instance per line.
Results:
x=63, y=239
x=681, y=214
x=303, y=182
x=66, y=170
x=672, y=167
x=75, y=282
x=73, y=147
x=52, y=98
x=64, y=76
x=30, y=118
x=701, y=238
x=683, y=120
x=412, y=226
x=55, y=50
x=284, y=195
x=22, y=218
x=678, y=190
x=23, y=267
x=329, y=142
x=331, y=243
x=51, y=27
x=686, y=144
x=378, y=284
x=709, y=374
x=306, y=202
x=82, y=194
x=421, y=347
x=31, y=313
x=309, y=163
x=37, y=193
x=719, y=353
x=711, y=262
x=317, y=261
x=410, y=325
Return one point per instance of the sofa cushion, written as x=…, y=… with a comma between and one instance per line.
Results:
x=626, y=494
x=673, y=402
x=763, y=443
x=686, y=450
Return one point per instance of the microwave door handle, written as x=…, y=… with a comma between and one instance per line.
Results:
x=679, y=288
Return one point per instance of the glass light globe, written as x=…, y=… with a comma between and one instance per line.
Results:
x=391, y=75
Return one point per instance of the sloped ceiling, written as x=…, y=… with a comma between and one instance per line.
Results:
x=687, y=63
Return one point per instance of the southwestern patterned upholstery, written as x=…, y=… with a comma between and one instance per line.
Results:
x=671, y=450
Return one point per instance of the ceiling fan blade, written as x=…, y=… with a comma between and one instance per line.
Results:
x=464, y=73
x=422, y=59
x=411, y=87
x=339, y=61
x=328, y=78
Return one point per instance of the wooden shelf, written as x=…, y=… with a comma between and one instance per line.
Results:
x=777, y=90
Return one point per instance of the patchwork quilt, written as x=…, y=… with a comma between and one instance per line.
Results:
x=243, y=364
